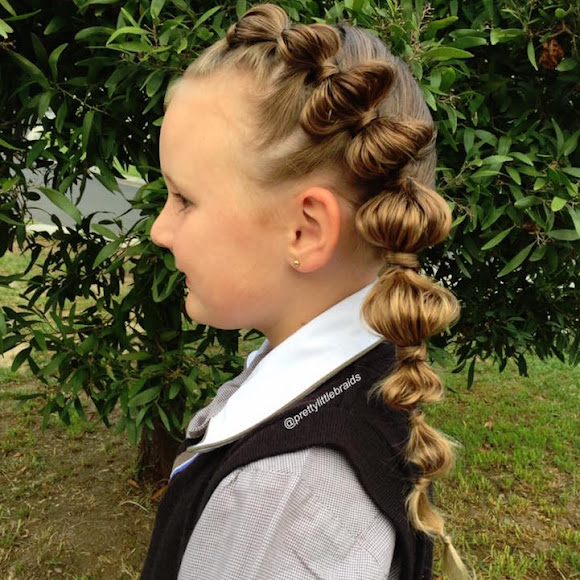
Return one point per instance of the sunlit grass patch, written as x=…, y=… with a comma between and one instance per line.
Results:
x=513, y=502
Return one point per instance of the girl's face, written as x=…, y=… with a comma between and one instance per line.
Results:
x=225, y=234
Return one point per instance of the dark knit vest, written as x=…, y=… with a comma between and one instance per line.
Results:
x=369, y=434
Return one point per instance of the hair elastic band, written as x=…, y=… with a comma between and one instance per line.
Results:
x=402, y=259
x=367, y=118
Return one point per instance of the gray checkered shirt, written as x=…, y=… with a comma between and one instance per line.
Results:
x=293, y=516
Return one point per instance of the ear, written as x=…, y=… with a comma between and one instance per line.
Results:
x=316, y=229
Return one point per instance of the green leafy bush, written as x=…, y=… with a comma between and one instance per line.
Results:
x=501, y=79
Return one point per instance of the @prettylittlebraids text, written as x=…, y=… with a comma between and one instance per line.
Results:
x=293, y=420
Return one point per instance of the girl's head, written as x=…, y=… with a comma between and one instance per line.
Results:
x=308, y=155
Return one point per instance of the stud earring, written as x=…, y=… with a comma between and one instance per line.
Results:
x=296, y=263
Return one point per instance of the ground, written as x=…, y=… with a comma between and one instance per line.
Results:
x=69, y=504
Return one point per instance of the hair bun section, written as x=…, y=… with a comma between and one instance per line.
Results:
x=310, y=48
x=413, y=308
x=383, y=147
x=405, y=220
x=263, y=23
x=341, y=103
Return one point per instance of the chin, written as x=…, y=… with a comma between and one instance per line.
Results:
x=200, y=315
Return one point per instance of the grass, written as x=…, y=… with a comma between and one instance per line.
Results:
x=513, y=502
x=12, y=263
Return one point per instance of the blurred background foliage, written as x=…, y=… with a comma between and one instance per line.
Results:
x=102, y=309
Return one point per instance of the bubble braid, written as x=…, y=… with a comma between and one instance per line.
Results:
x=336, y=97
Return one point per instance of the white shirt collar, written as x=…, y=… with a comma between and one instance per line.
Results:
x=294, y=368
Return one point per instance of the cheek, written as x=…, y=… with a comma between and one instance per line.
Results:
x=184, y=242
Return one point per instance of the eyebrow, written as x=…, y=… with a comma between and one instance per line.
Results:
x=170, y=180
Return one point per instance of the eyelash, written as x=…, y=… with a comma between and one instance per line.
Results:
x=183, y=201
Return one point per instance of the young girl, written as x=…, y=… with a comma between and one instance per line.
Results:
x=300, y=165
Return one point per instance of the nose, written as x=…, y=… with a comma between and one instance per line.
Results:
x=161, y=232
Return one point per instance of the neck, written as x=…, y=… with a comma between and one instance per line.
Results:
x=311, y=298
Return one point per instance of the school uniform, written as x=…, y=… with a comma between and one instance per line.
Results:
x=291, y=472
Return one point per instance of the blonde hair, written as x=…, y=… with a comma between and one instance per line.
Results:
x=334, y=97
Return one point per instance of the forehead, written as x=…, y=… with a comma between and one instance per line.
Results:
x=207, y=118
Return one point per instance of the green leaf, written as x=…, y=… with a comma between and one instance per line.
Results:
x=127, y=15
x=558, y=203
x=567, y=64
x=532, y=55
x=516, y=260
x=468, y=139
x=154, y=82
x=514, y=175
x=498, y=35
x=492, y=159
x=470, y=42
x=573, y=171
x=538, y=253
x=571, y=144
x=156, y=8
x=522, y=157
x=528, y=201
x=575, y=215
x=7, y=220
x=436, y=25
x=86, y=131
x=190, y=384
x=446, y=53
x=93, y=31
x=5, y=29
x=106, y=177
x=429, y=98
x=6, y=5
x=206, y=16
x=471, y=374
x=30, y=68
x=20, y=358
x=164, y=418
x=107, y=251
x=564, y=235
x=539, y=183
x=7, y=145
x=136, y=355
x=137, y=46
x=56, y=24
x=174, y=390
x=145, y=397
x=463, y=267
x=53, y=59
x=43, y=103
x=559, y=136
x=241, y=7
x=40, y=340
x=496, y=239
x=484, y=173
x=35, y=152
x=3, y=327
x=103, y=231
x=126, y=30
x=61, y=116
x=62, y=202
